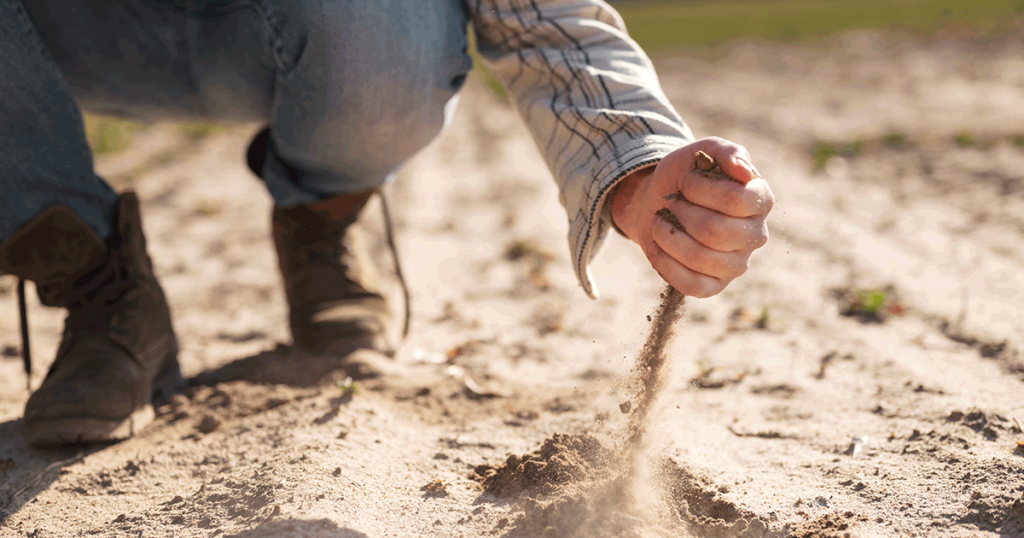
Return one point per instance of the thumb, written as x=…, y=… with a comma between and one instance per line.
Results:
x=737, y=167
x=731, y=157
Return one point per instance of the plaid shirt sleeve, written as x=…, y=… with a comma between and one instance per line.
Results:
x=589, y=96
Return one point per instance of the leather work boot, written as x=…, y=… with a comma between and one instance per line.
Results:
x=118, y=349
x=335, y=302
x=336, y=308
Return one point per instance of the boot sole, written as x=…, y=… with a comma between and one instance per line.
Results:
x=79, y=431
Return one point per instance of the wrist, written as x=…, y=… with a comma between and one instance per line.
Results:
x=622, y=204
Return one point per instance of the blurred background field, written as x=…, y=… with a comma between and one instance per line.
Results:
x=667, y=27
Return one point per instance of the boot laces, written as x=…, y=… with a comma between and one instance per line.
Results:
x=91, y=302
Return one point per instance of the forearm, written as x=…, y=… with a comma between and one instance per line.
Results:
x=589, y=96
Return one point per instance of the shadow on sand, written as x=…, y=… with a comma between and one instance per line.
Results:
x=298, y=528
x=25, y=471
x=285, y=365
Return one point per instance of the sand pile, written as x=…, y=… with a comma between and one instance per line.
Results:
x=573, y=485
x=562, y=460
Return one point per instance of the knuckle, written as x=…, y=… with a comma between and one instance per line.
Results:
x=762, y=239
x=708, y=287
x=740, y=268
x=764, y=197
x=759, y=236
x=711, y=233
x=654, y=254
x=701, y=261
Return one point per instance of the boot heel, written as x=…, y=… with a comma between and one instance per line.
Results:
x=169, y=382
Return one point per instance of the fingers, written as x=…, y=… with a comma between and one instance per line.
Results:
x=720, y=232
x=733, y=158
x=747, y=196
x=682, y=278
x=729, y=197
x=690, y=253
x=723, y=220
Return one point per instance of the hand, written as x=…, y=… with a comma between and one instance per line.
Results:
x=722, y=222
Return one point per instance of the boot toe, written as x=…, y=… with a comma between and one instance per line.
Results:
x=96, y=399
x=80, y=400
x=84, y=412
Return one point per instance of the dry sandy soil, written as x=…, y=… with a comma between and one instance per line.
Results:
x=770, y=383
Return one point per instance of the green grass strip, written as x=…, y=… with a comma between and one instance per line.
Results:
x=661, y=24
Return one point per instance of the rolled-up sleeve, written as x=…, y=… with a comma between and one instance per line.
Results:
x=590, y=97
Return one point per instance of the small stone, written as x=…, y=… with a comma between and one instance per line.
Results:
x=703, y=161
x=209, y=424
x=179, y=402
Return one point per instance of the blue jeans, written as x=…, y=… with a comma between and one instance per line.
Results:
x=351, y=89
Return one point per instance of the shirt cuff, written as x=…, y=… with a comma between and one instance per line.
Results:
x=587, y=232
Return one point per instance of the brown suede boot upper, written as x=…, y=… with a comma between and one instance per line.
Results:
x=118, y=337
x=335, y=302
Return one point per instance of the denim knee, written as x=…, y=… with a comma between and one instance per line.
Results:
x=375, y=83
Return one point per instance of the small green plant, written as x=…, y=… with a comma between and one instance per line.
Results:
x=199, y=130
x=872, y=301
x=349, y=387
x=704, y=370
x=823, y=151
x=209, y=208
x=763, y=319
x=1017, y=140
x=895, y=140
x=109, y=135
x=870, y=305
x=520, y=249
x=965, y=139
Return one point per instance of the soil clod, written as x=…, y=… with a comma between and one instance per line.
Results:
x=561, y=460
